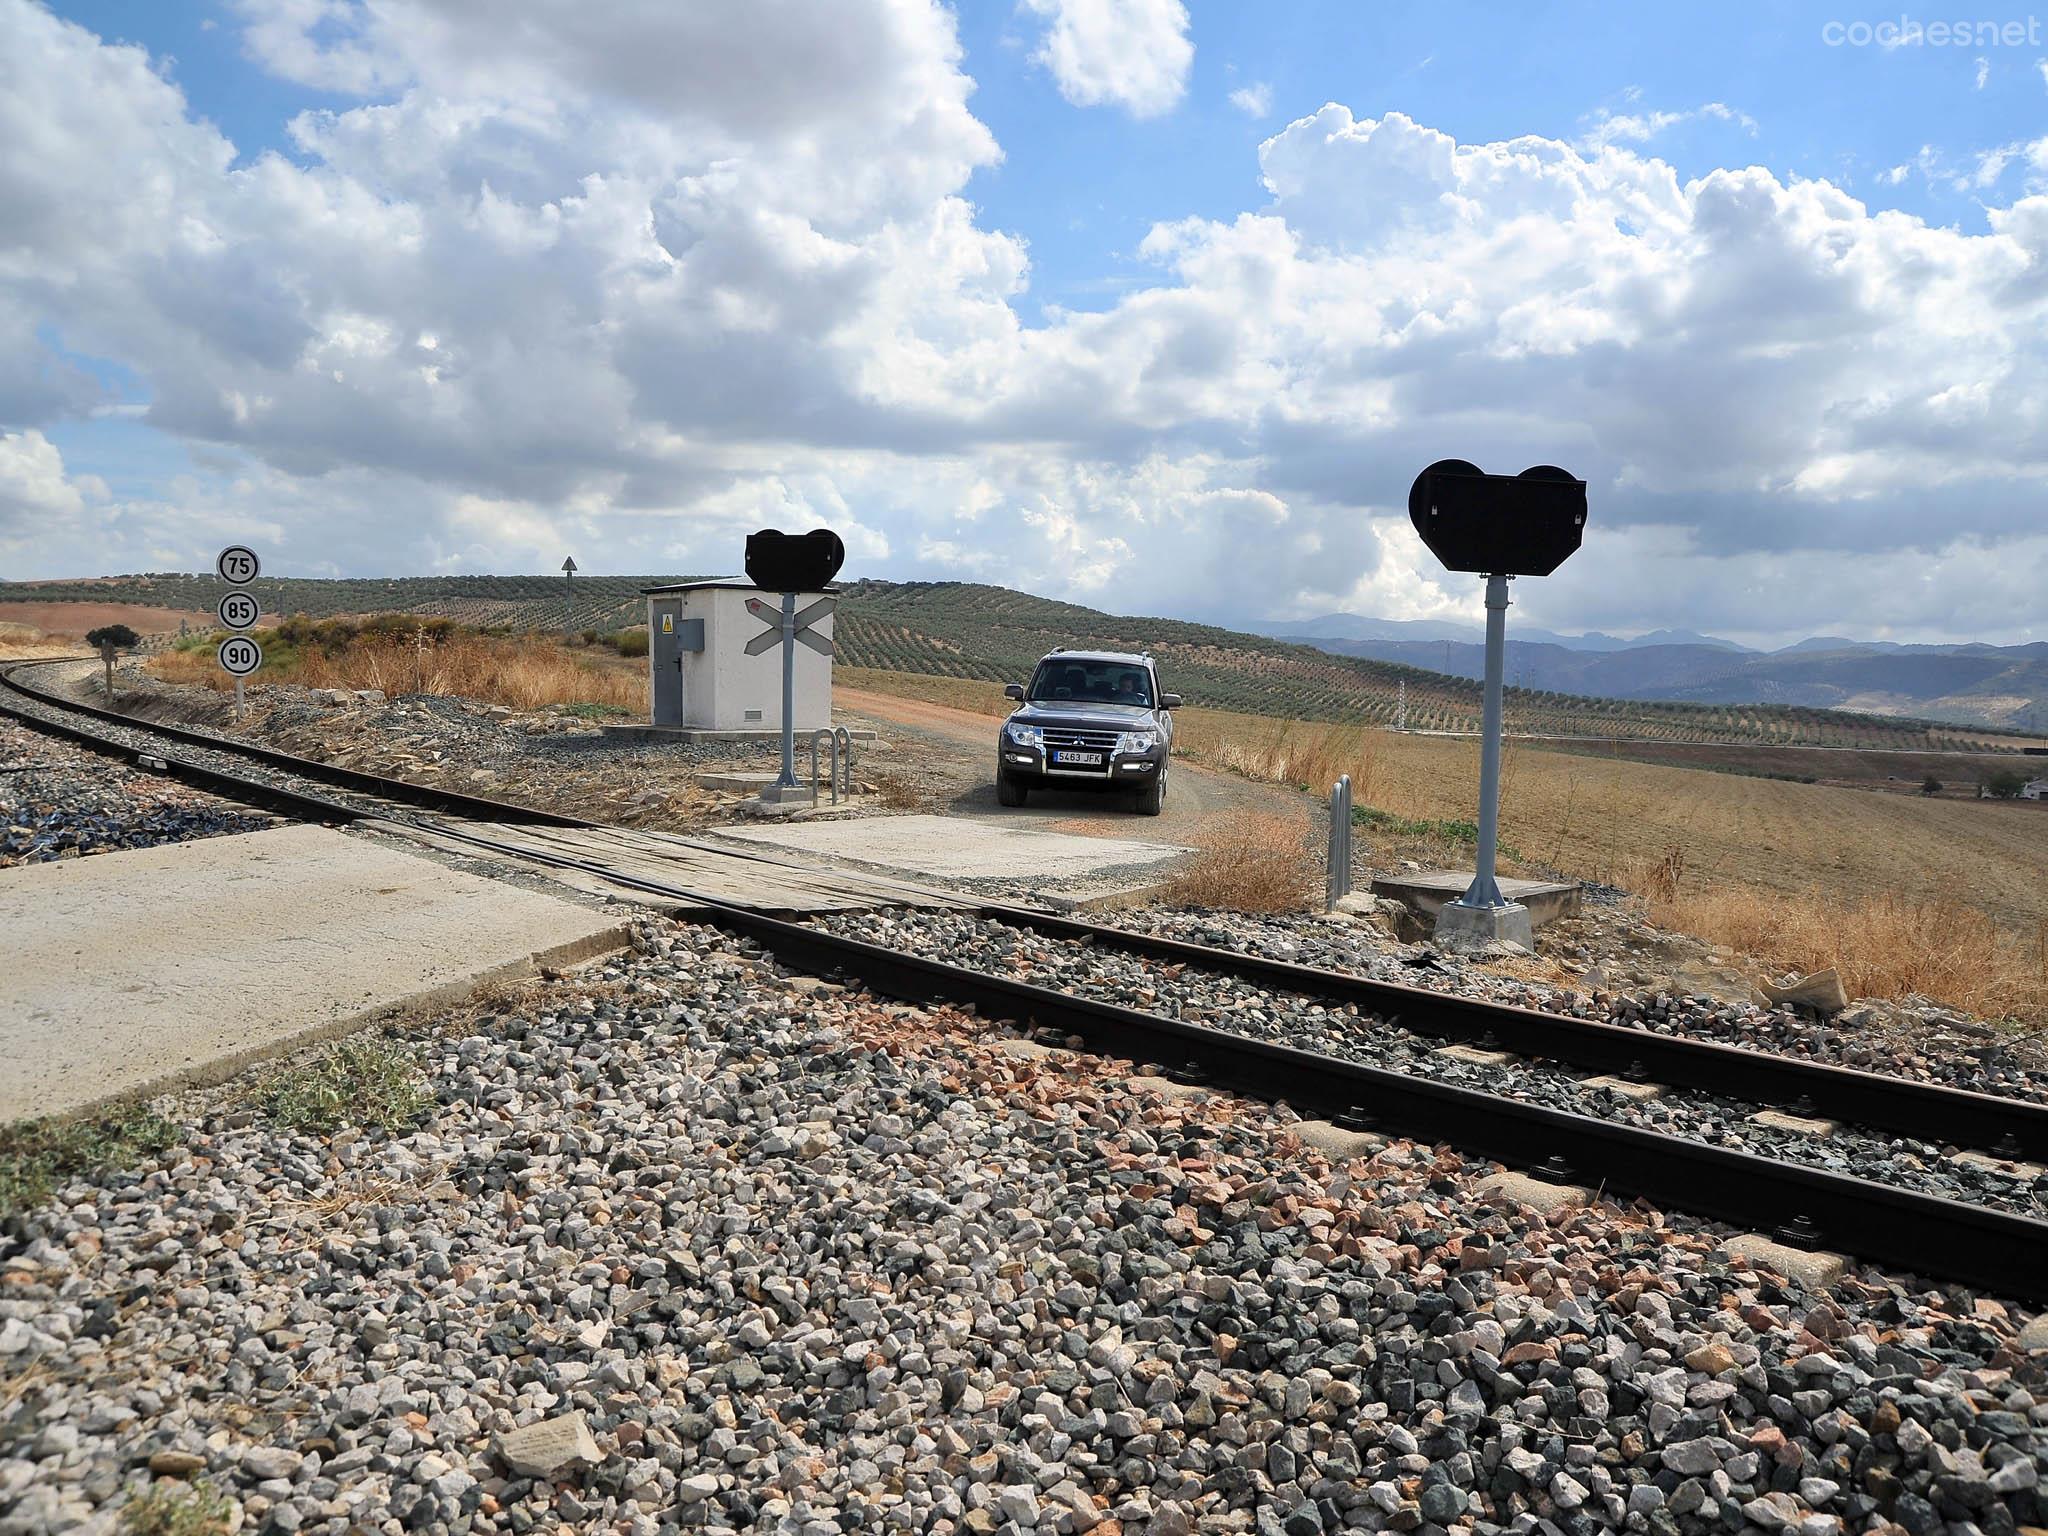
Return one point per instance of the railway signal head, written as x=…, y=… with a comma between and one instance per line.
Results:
x=790, y=562
x=1498, y=525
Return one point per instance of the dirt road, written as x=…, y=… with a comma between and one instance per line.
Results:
x=950, y=755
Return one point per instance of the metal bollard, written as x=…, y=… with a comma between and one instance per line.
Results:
x=845, y=740
x=824, y=734
x=1338, y=885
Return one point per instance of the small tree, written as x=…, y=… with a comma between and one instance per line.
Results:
x=2004, y=784
x=1930, y=785
x=110, y=638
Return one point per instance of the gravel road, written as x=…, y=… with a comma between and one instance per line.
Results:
x=769, y=1256
x=949, y=754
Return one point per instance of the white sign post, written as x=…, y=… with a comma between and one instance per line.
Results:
x=789, y=629
x=238, y=610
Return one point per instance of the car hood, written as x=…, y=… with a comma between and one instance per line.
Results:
x=1122, y=717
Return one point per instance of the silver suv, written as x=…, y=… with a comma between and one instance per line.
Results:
x=1088, y=720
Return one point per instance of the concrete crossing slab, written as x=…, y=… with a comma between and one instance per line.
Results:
x=956, y=848
x=129, y=973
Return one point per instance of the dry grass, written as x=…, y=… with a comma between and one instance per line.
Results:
x=1888, y=945
x=1258, y=866
x=894, y=792
x=1901, y=894
x=23, y=640
x=520, y=671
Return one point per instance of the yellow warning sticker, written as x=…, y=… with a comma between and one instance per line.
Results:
x=668, y=623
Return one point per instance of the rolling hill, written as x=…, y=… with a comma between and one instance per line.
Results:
x=956, y=629
x=1994, y=687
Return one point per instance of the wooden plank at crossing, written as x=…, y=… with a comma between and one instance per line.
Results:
x=760, y=883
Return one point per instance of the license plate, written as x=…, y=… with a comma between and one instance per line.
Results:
x=1082, y=759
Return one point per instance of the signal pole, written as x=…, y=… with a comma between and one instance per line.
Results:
x=1499, y=527
x=1485, y=889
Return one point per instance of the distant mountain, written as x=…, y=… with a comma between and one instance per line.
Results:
x=2003, y=687
x=1684, y=637
x=1838, y=643
x=1357, y=626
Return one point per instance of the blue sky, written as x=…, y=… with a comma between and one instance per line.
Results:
x=1004, y=290
x=1086, y=187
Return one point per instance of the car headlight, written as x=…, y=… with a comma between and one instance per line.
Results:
x=1025, y=735
x=1137, y=741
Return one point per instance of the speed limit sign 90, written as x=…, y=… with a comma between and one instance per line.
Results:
x=238, y=610
x=237, y=563
x=239, y=655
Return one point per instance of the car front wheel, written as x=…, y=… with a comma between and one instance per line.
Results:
x=1151, y=800
x=1009, y=791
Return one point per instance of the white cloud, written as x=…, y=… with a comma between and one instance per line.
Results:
x=33, y=484
x=1132, y=54
x=1254, y=100
x=1639, y=127
x=529, y=293
x=1983, y=72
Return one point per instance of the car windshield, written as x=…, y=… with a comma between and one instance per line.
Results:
x=1092, y=682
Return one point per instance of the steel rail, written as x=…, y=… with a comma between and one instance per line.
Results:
x=1884, y=1223
x=1927, y=1111
x=426, y=797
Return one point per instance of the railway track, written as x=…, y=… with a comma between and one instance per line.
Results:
x=2001, y=1248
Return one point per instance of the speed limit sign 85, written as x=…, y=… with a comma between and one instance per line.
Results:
x=238, y=610
x=237, y=563
x=239, y=655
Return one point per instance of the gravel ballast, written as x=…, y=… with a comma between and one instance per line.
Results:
x=1927, y=1043
x=544, y=759
x=1219, y=1001
x=689, y=1245
x=59, y=801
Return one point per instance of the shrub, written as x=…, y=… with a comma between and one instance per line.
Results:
x=362, y=1082
x=171, y=1508
x=1262, y=864
x=38, y=1155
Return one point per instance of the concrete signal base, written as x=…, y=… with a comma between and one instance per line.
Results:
x=788, y=794
x=1458, y=925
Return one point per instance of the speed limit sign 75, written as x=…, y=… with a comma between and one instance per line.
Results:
x=238, y=610
x=239, y=655
x=237, y=563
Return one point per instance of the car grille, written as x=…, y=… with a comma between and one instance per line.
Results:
x=1090, y=741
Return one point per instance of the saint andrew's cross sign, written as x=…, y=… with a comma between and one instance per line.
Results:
x=797, y=626
x=788, y=564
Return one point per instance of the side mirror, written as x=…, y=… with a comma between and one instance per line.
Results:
x=1169, y=701
x=1013, y=691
